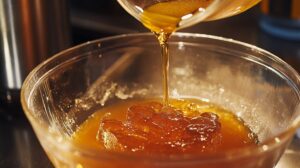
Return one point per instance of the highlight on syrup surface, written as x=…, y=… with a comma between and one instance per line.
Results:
x=261, y=99
x=149, y=127
x=170, y=15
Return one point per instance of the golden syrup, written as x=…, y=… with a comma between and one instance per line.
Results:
x=148, y=127
x=164, y=17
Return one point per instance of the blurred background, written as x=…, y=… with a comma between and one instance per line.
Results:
x=33, y=30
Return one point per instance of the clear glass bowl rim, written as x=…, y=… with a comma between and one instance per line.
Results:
x=207, y=158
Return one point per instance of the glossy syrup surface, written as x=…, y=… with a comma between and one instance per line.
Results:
x=146, y=126
x=165, y=16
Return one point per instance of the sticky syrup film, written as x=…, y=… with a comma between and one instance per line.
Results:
x=147, y=126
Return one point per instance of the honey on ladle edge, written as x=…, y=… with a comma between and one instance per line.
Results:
x=151, y=126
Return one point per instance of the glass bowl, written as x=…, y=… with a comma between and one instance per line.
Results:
x=62, y=92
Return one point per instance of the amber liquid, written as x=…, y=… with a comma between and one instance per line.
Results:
x=169, y=126
x=147, y=127
x=163, y=19
x=163, y=42
x=165, y=16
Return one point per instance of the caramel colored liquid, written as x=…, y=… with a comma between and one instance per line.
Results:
x=163, y=42
x=163, y=18
x=148, y=127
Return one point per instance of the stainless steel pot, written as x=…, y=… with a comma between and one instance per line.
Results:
x=30, y=31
